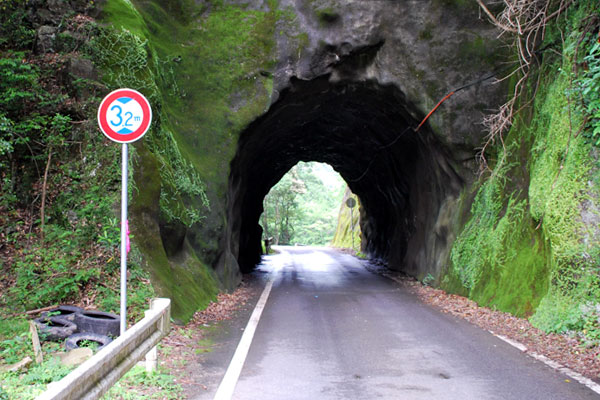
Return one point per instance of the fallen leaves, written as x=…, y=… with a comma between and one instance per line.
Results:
x=223, y=308
x=563, y=349
x=182, y=346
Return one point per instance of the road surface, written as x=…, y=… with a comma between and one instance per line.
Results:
x=330, y=329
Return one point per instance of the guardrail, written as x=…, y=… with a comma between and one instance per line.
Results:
x=96, y=376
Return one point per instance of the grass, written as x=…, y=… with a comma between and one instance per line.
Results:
x=135, y=384
x=31, y=384
x=140, y=384
x=15, y=344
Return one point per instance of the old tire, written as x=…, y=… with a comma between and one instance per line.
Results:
x=54, y=328
x=77, y=340
x=99, y=322
x=65, y=312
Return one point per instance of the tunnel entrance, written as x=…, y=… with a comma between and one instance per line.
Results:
x=303, y=207
x=365, y=131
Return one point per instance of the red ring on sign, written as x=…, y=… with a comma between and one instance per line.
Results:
x=146, y=117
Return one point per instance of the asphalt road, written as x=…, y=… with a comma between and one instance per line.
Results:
x=332, y=330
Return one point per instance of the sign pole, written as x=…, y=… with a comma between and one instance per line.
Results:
x=124, y=176
x=352, y=225
x=351, y=203
x=124, y=116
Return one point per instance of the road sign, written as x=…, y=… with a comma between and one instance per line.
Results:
x=124, y=115
x=350, y=203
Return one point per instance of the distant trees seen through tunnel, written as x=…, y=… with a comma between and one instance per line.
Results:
x=302, y=208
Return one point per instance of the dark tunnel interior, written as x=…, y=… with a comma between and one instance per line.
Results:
x=366, y=132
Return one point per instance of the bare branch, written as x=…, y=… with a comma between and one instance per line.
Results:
x=526, y=20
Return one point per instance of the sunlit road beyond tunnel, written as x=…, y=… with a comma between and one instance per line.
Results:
x=330, y=329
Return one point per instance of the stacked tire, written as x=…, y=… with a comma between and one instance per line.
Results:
x=78, y=327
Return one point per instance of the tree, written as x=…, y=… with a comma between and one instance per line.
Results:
x=280, y=205
x=302, y=207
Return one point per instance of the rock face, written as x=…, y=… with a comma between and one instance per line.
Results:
x=246, y=89
x=352, y=95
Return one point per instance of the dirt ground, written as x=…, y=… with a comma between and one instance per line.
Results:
x=180, y=350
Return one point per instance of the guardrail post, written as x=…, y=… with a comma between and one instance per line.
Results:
x=152, y=360
x=165, y=322
x=164, y=325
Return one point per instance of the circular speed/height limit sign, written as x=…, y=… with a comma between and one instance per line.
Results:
x=124, y=115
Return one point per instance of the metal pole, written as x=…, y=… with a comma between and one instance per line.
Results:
x=352, y=225
x=124, y=240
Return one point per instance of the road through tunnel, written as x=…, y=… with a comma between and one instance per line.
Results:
x=366, y=132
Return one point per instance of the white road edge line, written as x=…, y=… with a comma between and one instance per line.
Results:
x=227, y=386
x=552, y=364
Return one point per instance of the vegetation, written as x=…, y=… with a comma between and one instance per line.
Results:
x=140, y=384
x=208, y=69
x=59, y=229
x=33, y=383
x=302, y=207
x=588, y=86
x=530, y=245
x=60, y=182
x=345, y=236
x=60, y=178
x=135, y=384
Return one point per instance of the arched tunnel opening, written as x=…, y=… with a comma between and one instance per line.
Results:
x=303, y=208
x=366, y=132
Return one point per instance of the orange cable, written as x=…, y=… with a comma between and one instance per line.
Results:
x=433, y=110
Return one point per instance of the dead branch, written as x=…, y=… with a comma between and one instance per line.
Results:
x=515, y=9
x=526, y=20
x=33, y=312
x=44, y=187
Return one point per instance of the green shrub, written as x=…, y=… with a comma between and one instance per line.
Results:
x=589, y=86
x=15, y=29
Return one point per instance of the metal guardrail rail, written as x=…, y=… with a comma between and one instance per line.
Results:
x=96, y=376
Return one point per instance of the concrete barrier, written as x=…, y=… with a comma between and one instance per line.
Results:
x=96, y=376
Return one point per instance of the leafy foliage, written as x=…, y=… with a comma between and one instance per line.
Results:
x=136, y=383
x=31, y=384
x=280, y=207
x=589, y=86
x=530, y=245
x=302, y=208
x=51, y=153
x=30, y=124
x=123, y=55
x=181, y=182
x=14, y=349
x=15, y=31
x=129, y=61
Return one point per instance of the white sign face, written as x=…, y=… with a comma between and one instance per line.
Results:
x=124, y=115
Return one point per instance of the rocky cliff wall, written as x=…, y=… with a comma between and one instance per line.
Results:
x=245, y=89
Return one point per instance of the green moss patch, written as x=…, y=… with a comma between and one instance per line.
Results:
x=343, y=237
x=207, y=70
x=525, y=247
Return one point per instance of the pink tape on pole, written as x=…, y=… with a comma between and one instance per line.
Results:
x=127, y=243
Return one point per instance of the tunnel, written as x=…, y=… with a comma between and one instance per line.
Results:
x=367, y=132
